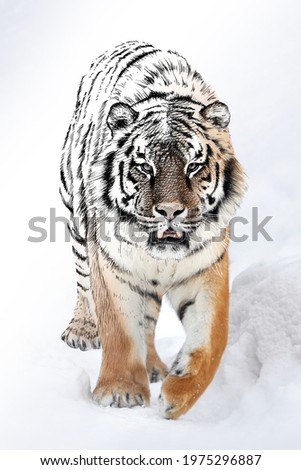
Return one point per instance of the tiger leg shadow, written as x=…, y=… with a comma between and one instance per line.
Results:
x=205, y=318
x=123, y=380
x=82, y=332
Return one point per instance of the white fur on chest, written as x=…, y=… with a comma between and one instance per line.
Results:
x=166, y=272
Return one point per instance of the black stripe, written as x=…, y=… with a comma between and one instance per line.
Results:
x=105, y=69
x=122, y=140
x=199, y=248
x=209, y=151
x=129, y=150
x=125, y=200
x=78, y=101
x=81, y=274
x=154, y=297
x=228, y=185
x=216, y=177
x=149, y=318
x=69, y=170
x=82, y=209
x=82, y=206
x=183, y=307
x=207, y=178
x=156, y=106
x=82, y=154
x=199, y=125
x=213, y=214
x=183, y=123
x=219, y=146
x=189, y=183
x=145, y=293
x=126, y=67
x=85, y=289
x=131, y=178
x=211, y=200
x=119, y=50
x=133, y=61
x=67, y=136
x=121, y=167
x=112, y=262
x=125, y=216
x=186, y=98
x=108, y=179
x=66, y=204
x=155, y=94
x=149, y=80
x=185, y=134
x=79, y=256
x=63, y=179
x=76, y=236
x=150, y=114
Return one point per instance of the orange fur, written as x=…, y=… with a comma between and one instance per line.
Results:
x=122, y=371
x=182, y=392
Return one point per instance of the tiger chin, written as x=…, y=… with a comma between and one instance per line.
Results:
x=151, y=182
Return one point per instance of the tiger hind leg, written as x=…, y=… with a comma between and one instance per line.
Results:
x=82, y=331
x=156, y=369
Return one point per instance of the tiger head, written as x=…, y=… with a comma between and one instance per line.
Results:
x=173, y=174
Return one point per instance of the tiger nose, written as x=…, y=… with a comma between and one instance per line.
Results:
x=169, y=210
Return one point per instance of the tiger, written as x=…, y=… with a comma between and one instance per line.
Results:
x=150, y=181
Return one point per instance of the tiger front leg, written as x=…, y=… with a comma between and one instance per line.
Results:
x=123, y=380
x=202, y=305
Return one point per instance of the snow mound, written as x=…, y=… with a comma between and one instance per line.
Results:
x=258, y=384
x=265, y=320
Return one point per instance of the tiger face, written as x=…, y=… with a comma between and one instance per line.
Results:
x=175, y=176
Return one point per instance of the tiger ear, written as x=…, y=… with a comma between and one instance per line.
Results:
x=120, y=116
x=217, y=113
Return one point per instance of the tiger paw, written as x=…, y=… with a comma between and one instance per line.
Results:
x=178, y=394
x=156, y=371
x=121, y=394
x=82, y=334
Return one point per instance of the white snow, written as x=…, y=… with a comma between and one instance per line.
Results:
x=249, y=52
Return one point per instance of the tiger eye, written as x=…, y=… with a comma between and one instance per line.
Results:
x=146, y=167
x=193, y=166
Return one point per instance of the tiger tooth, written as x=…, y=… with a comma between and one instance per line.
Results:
x=160, y=234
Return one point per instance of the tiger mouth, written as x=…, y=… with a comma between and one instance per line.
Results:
x=167, y=237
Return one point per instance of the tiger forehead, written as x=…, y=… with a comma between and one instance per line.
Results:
x=190, y=149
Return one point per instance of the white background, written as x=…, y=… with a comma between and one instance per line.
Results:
x=249, y=51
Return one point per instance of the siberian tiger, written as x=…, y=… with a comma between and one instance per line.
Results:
x=151, y=181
